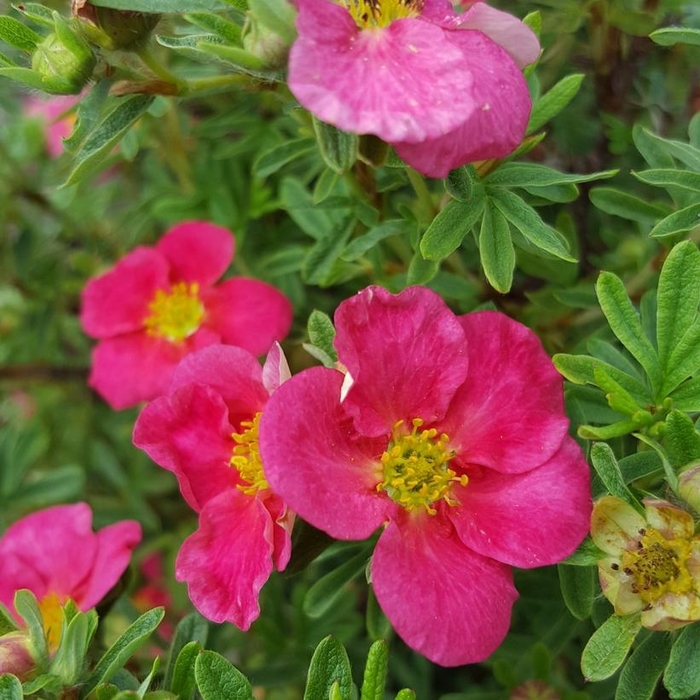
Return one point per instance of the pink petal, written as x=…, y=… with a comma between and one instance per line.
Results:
x=315, y=461
x=189, y=434
x=231, y=372
x=494, y=126
x=503, y=29
x=197, y=251
x=509, y=414
x=406, y=353
x=115, y=544
x=138, y=367
x=248, y=313
x=530, y=519
x=445, y=601
x=226, y=562
x=397, y=82
x=117, y=302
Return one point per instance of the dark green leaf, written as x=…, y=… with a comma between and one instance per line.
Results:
x=682, y=675
x=376, y=671
x=322, y=333
x=420, y=270
x=329, y=665
x=496, y=250
x=531, y=174
x=578, y=588
x=642, y=671
x=162, y=6
x=677, y=223
x=192, y=628
x=608, y=647
x=182, y=682
x=670, y=177
x=681, y=440
x=218, y=679
x=277, y=157
x=360, y=245
x=684, y=360
x=552, y=102
x=668, y=36
x=338, y=148
x=587, y=554
x=460, y=182
x=627, y=206
x=321, y=261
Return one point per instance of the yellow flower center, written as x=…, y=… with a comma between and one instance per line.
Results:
x=246, y=457
x=177, y=314
x=658, y=566
x=52, y=616
x=381, y=13
x=415, y=468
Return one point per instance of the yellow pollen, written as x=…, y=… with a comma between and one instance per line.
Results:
x=658, y=566
x=177, y=314
x=381, y=13
x=415, y=468
x=52, y=616
x=246, y=457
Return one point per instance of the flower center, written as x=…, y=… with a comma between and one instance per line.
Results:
x=177, y=314
x=658, y=566
x=246, y=457
x=52, y=616
x=415, y=468
x=381, y=13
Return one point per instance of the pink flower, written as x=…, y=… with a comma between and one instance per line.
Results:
x=443, y=88
x=58, y=116
x=159, y=304
x=55, y=554
x=448, y=432
x=206, y=432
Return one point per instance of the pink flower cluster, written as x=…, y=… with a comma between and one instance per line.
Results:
x=443, y=88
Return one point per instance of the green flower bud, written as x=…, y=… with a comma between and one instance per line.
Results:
x=267, y=45
x=114, y=29
x=15, y=655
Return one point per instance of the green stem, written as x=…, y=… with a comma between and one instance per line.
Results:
x=425, y=199
x=214, y=82
x=157, y=68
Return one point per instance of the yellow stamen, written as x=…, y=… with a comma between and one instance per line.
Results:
x=658, y=566
x=177, y=314
x=381, y=13
x=246, y=457
x=52, y=616
x=415, y=468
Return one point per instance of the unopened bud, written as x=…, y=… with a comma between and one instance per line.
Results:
x=266, y=45
x=114, y=29
x=15, y=655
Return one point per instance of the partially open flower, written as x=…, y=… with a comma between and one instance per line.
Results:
x=653, y=565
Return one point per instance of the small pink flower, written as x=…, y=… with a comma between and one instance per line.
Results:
x=206, y=432
x=448, y=433
x=56, y=555
x=443, y=88
x=159, y=304
x=58, y=116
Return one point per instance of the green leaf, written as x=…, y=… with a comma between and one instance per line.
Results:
x=277, y=15
x=684, y=361
x=121, y=651
x=10, y=687
x=677, y=223
x=28, y=609
x=451, y=225
x=684, y=152
x=376, y=671
x=277, y=157
x=98, y=145
x=678, y=297
x=669, y=36
x=162, y=6
x=530, y=224
x=69, y=661
x=625, y=324
x=578, y=588
x=606, y=432
x=36, y=13
x=329, y=665
x=57, y=486
x=618, y=203
x=687, y=396
x=192, y=628
x=642, y=671
x=459, y=183
x=607, y=468
x=681, y=439
x=617, y=397
x=552, y=102
x=360, y=245
x=322, y=333
x=531, y=174
x=608, y=647
x=496, y=250
x=406, y=694
x=587, y=554
x=682, y=675
x=670, y=177
x=325, y=591
x=218, y=679
x=7, y=621
x=420, y=270
x=322, y=260
x=182, y=681
x=18, y=35
x=227, y=30
x=338, y=148
x=648, y=145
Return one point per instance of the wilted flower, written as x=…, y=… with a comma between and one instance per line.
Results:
x=159, y=304
x=443, y=88
x=447, y=432
x=206, y=432
x=56, y=555
x=653, y=564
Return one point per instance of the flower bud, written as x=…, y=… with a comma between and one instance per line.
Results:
x=266, y=45
x=15, y=655
x=114, y=29
x=64, y=61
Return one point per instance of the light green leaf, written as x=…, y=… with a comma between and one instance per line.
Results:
x=451, y=225
x=530, y=224
x=376, y=671
x=668, y=36
x=360, y=245
x=552, y=102
x=10, y=687
x=420, y=270
x=607, y=468
x=684, y=152
x=329, y=665
x=338, y=148
x=682, y=675
x=677, y=223
x=227, y=30
x=218, y=679
x=278, y=156
x=586, y=554
x=687, y=396
x=162, y=6
x=28, y=609
x=618, y=203
x=608, y=647
x=18, y=35
x=496, y=250
x=684, y=360
x=182, y=681
x=321, y=262
x=578, y=588
x=531, y=174
x=322, y=333
x=670, y=177
x=642, y=671
x=681, y=440
x=192, y=628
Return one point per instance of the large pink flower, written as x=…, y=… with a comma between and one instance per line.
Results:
x=55, y=554
x=443, y=88
x=159, y=304
x=449, y=433
x=206, y=432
